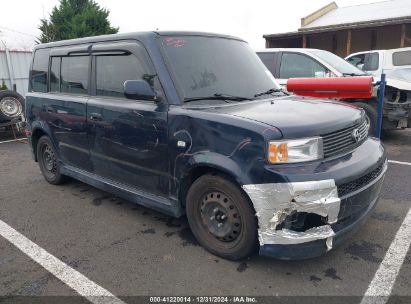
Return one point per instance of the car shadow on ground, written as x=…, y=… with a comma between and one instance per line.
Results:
x=136, y=233
x=179, y=227
x=396, y=137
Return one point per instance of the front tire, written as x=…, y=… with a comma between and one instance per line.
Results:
x=221, y=217
x=48, y=162
x=371, y=115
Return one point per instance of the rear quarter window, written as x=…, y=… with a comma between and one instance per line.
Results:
x=401, y=58
x=39, y=71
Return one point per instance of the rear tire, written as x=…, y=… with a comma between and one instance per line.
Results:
x=371, y=115
x=48, y=161
x=11, y=105
x=221, y=217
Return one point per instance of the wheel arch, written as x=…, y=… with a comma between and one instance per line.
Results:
x=35, y=136
x=228, y=188
x=221, y=165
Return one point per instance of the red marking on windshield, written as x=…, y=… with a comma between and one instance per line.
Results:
x=175, y=42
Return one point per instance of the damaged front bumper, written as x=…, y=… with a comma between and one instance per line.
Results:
x=305, y=219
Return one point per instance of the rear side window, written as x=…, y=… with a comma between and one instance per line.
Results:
x=268, y=60
x=55, y=74
x=74, y=75
x=401, y=58
x=39, y=71
x=298, y=65
x=113, y=70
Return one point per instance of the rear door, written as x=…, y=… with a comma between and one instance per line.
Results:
x=128, y=138
x=63, y=108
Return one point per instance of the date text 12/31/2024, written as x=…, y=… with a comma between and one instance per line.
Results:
x=204, y=299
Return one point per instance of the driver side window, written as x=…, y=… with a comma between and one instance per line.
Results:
x=114, y=70
x=357, y=61
x=298, y=65
x=116, y=63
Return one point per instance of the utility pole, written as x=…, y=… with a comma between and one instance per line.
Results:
x=9, y=65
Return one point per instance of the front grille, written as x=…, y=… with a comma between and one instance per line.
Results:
x=360, y=182
x=343, y=140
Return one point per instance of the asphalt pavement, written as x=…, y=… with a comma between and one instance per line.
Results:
x=132, y=251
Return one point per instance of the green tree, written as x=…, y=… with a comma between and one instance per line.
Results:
x=75, y=19
x=3, y=85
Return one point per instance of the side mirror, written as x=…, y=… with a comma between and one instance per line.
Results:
x=138, y=89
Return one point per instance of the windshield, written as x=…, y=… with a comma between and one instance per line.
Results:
x=337, y=62
x=205, y=66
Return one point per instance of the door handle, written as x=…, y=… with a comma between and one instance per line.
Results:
x=96, y=116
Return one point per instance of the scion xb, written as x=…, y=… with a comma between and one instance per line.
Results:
x=194, y=123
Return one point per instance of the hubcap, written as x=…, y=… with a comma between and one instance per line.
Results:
x=10, y=106
x=49, y=159
x=220, y=215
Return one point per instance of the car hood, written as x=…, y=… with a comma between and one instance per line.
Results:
x=297, y=116
x=399, y=78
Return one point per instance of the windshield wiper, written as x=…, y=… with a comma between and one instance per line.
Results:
x=268, y=92
x=218, y=96
x=353, y=74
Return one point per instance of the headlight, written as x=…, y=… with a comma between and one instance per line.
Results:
x=295, y=151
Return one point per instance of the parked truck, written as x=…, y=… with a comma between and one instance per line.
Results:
x=396, y=64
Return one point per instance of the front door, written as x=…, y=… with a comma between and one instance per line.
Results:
x=128, y=138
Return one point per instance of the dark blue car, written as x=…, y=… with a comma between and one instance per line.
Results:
x=193, y=123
